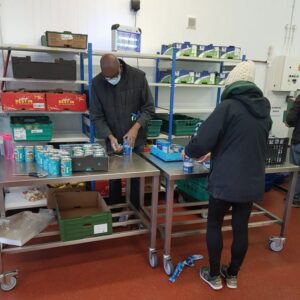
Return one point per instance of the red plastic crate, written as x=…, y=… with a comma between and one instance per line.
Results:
x=30, y=101
x=103, y=187
x=66, y=101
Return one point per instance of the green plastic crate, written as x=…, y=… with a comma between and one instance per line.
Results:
x=31, y=128
x=81, y=215
x=194, y=187
x=182, y=125
x=154, y=127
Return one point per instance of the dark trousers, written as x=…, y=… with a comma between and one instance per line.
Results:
x=115, y=188
x=240, y=216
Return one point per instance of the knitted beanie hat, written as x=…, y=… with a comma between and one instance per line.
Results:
x=244, y=71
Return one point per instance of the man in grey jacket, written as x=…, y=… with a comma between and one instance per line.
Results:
x=121, y=107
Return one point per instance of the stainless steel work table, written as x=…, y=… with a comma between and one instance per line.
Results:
x=173, y=171
x=119, y=167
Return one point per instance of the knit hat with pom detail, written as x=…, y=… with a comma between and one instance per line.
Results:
x=244, y=71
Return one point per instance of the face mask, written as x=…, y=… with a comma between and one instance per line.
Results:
x=115, y=80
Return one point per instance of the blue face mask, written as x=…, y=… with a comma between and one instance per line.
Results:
x=115, y=80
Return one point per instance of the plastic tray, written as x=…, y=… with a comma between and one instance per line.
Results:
x=165, y=156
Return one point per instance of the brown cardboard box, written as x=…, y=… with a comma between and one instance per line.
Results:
x=51, y=192
x=64, y=39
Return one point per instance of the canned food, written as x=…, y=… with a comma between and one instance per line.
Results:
x=46, y=159
x=40, y=157
x=66, y=166
x=54, y=166
x=19, y=153
x=188, y=165
x=127, y=150
x=48, y=147
x=177, y=148
x=99, y=153
x=29, y=153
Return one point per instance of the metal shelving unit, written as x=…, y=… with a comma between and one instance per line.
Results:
x=9, y=79
x=174, y=58
x=83, y=54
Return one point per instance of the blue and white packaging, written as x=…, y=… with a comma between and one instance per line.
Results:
x=230, y=52
x=205, y=77
x=208, y=51
x=184, y=76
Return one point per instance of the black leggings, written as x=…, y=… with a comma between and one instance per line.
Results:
x=214, y=239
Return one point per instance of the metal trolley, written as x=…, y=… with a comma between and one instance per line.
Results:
x=119, y=167
x=172, y=171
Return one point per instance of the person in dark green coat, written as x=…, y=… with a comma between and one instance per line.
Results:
x=236, y=135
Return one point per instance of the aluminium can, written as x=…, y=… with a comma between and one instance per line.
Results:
x=29, y=153
x=66, y=166
x=54, y=166
x=19, y=153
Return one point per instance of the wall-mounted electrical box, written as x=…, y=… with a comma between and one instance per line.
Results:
x=286, y=73
x=125, y=38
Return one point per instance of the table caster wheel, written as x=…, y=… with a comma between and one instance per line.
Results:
x=181, y=199
x=153, y=261
x=276, y=243
x=204, y=215
x=168, y=267
x=10, y=284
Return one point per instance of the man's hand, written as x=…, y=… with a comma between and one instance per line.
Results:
x=131, y=135
x=114, y=143
x=203, y=158
x=183, y=155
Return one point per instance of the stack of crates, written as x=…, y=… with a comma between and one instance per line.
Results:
x=194, y=187
x=154, y=127
x=182, y=125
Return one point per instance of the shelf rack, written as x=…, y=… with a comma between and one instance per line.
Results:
x=83, y=54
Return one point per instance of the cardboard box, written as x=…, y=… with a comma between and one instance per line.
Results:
x=66, y=101
x=187, y=49
x=230, y=52
x=205, y=77
x=52, y=191
x=165, y=76
x=208, y=51
x=64, y=39
x=82, y=214
x=168, y=49
x=184, y=76
x=30, y=101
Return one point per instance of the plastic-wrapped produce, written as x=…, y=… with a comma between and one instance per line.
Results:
x=20, y=228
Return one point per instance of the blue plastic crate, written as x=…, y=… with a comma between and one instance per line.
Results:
x=165, y=156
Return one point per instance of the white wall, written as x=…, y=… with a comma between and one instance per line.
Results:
x=253, y=25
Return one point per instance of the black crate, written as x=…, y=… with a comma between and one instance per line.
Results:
x=276, y=150
x=60, y=69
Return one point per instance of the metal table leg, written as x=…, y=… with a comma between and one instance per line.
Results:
x=276, y=243
x=8, y=280
x=142, y=192
x=154, y=207
x=2, y=203
x=168, y=265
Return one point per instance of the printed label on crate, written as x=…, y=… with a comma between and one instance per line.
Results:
x=37, y=131
x=39, y=105
x=19, y=134
x=100, y=228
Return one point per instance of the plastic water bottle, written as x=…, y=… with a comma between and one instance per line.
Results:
x=8, y=146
